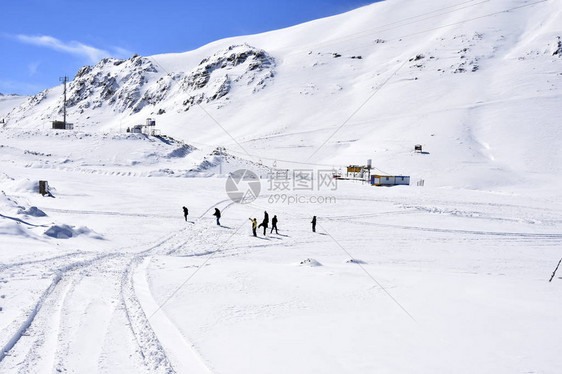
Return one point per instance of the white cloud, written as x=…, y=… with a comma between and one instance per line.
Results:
x=33, y=67
x=73, y=47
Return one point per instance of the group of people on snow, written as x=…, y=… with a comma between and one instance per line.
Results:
x=255, y=226
x=264, y=224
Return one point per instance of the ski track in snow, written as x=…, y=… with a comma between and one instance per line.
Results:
x=51, y=333
x=44, y=338
x=182, y=353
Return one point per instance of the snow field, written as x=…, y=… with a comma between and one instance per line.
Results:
x=471, y=267
x=466, y=289
x=450, y=277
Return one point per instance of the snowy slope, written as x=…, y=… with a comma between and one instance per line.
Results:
x=106, y=275
x=476, y=82
x=9, y=102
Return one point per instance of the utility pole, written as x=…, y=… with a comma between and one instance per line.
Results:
x=64, y=80
x=220, y=162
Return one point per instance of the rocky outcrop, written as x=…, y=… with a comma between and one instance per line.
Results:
x=112, y=82
x=240, y=66
x=128, y=86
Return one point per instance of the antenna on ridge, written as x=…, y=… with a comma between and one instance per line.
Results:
x=63, y=125
x=64, y=80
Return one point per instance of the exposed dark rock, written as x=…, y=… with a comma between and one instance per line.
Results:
x=558, y=50
x=210, y=81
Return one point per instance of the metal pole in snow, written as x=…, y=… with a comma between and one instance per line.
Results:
x=554, y=273
x=64, y=80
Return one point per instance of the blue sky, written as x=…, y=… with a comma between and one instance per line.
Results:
x=42, y=40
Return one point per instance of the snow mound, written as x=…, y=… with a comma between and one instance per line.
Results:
x=220, y=162
x=67, y=232
x=181, y=152
x=310, y=262
x=12, y=229
x=20, y=186
x=355, y=261
x=32, y=211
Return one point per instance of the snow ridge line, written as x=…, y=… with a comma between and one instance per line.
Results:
x=27, y=323
x=106, y=213
x=525, y=235
x=150, y=348
x=83, y=170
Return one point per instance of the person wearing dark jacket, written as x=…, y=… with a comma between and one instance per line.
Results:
x=218, y=215
x=185, y=213
x=313, y=224
x=274, y=224
x=265, y=223
x=254, y=226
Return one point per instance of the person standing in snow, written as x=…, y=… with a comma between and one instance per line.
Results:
x=274, y=224
x=218, y=215
x=265, y=222
x=185, y=213
x=254, y=226
x=313, y=224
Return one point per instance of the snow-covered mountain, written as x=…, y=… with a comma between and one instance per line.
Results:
x=127, y=86
x=9, y=102
x=106, y=272
x=477, y=83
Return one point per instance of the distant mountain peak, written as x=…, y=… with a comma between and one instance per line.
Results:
x=128, y=86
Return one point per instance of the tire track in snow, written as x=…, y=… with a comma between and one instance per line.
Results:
x=151, y=350
x=41, y=349
x=38, y=307
x=29, y=320
x=86, y=318
x=184, y=354
x=63, y=271
x=68, y=271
